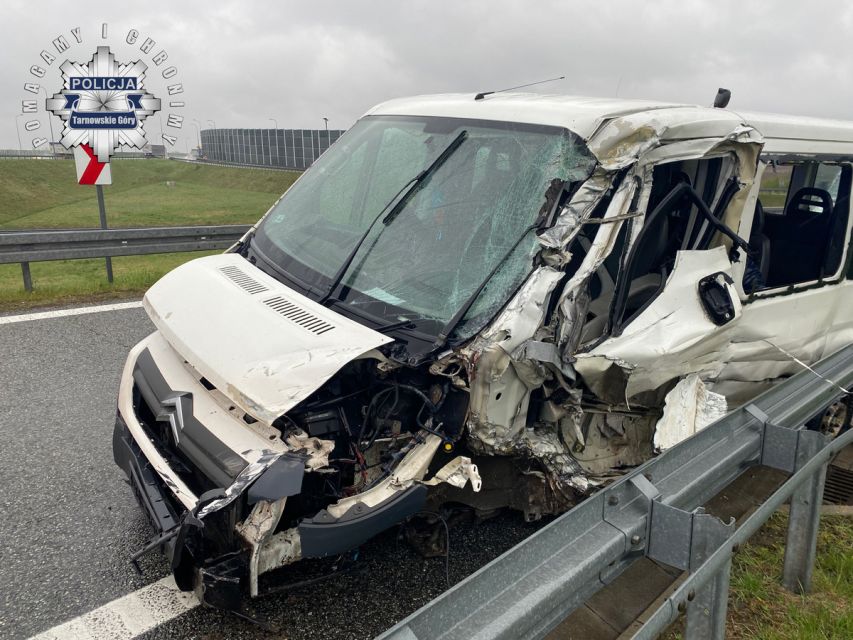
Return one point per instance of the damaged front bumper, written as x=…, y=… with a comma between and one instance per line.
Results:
x=210, y=556
x=181, y=536
x=220, y=558
x=214, y=488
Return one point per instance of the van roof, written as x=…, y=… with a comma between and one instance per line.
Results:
x=585, y=115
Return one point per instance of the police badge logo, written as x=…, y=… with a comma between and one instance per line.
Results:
x=103, y=105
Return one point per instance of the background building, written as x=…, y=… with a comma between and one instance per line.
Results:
x=286, y=148
x=154, y=150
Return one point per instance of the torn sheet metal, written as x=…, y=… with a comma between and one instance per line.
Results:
x=609, y=441
x=564, y=472
x=537, y=351
x=601, y=247
x=670, y=338
x=457, y=473
x=499, y=391
x=411, y=470
x=256, y=530
x=624, y=140
x=248, y=475
x=578, y=209
x=688, y=408
x=523, y=315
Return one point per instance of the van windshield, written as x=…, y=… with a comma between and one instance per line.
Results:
x=444, y=240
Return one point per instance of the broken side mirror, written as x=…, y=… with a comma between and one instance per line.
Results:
x=716, y=297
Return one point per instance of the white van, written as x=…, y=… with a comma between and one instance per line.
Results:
x=496, y=301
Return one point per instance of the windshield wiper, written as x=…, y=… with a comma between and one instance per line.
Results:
x=403, y=324
x=412, y=185
x=243, y=246
x=423, y=175
x=451, y=325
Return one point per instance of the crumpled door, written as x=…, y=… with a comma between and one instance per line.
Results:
x=676, y=334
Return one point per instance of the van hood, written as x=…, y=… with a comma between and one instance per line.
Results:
x=259, y=342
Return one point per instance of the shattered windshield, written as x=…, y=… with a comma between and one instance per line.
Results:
x=445, y=239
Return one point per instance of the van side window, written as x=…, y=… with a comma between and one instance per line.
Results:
x=799, y=226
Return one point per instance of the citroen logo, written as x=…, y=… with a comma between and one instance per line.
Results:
x=178, y=404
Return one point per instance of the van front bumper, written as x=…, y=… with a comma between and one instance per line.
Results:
x=206, y=554
x=212, y=528
x=148, y=488
x=219, y=582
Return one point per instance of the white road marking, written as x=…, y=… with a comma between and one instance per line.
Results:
x=62, y=313
x=128, y=616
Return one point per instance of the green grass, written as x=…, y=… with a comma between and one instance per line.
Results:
x=72, y=281
x=45, y=194
x=156, y=206
x=761, y=609
x=774, y=186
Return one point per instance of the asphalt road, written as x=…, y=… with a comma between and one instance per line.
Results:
x=68, y=522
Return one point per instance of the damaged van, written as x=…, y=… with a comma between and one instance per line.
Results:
x=496, y=301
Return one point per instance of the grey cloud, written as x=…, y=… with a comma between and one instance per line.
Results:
x=242, y=63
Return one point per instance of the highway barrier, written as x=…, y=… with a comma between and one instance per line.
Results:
x=71, y=244
x=656, y=512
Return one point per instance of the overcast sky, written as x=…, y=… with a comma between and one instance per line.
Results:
x=243, y=63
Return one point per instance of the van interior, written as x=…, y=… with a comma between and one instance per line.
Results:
x=799, y=225
x=797, y=233
x=683, y=213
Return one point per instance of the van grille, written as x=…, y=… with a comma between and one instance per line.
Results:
x=298, y=315
x=242, y=280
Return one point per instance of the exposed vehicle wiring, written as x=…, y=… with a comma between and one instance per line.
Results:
x=447, y=542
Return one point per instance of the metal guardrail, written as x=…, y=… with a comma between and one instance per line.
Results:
x=655, y=511
x=72, y=244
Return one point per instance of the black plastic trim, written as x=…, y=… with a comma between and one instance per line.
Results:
x=148, y=488
x=324, y=535
x=213, y=458
x=282, y=479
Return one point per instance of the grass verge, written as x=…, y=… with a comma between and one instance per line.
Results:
x=144, y=193
x=45, y=194
x=761, y=609
x=65, y=282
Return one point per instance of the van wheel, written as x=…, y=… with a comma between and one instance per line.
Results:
x=835, y=420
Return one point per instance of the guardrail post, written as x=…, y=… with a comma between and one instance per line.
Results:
x=706, y=612
x=804, y=518
x=28, y=278
x=686, y=540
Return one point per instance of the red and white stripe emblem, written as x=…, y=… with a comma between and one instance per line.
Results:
x=89, y=170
